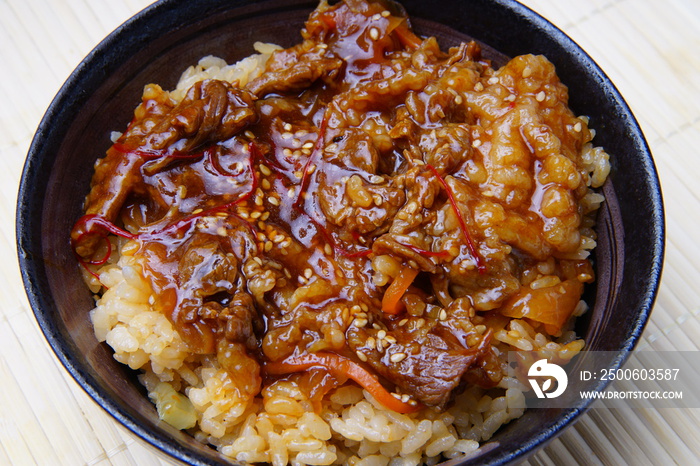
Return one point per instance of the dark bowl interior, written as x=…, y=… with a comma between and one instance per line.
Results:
x=160, y=42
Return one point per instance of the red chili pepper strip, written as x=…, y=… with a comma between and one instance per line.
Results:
x=480, y=265
x=425, y=252
x=96, y=225
x=92, y=221
x=340, y=366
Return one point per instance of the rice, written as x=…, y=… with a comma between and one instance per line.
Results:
x=282, y=426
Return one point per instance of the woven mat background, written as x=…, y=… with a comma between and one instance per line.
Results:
x=650, y=50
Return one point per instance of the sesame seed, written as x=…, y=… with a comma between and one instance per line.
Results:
x=298, y=174
x=527, y=72
x=197, y=211
x=266, y=184
x=287, y=152
x=327, y=249
x=291, y=192
x=287, y=135
x=374, y=33
x=397, y=357
x=385, y=13
x=255, y=214
x=476, y=143
x=381, y=334
x=356, y=309
x=273, y=200
x=364, y=307
x=493, y=80
x=360, y=322
x=268, y=246
x=312, y=168
x=182, y=191
x=403, y=322
x=265, y=170
x=578, y=127
x=396, y=395
x=361, y=356
x=221, y=231
x=308, y=273
x=376, y=326
x=540, y=96
x=265, y=216
x=278, y=239
x=287, y=127
x=308, y=145
x=376, y=16
x=376, y=179
x=443, y=315
x=405, y=397
x=511, y=98
x=479, y=87
x=258, y=260
x=390, y=340
x=371, y=343
x=459, y=100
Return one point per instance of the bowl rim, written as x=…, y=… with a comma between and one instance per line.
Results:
x=131, y=32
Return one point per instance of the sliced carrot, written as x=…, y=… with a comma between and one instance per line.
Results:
x=551, y=306
x=391, y=302
x=340, y=366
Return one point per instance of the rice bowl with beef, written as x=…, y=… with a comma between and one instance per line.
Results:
x=391, y=211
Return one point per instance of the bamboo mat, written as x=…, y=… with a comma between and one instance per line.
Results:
x=650, y=50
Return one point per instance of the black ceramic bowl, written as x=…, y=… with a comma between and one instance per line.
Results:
x=160, y=42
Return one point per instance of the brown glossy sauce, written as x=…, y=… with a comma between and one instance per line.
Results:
x=263, y=213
